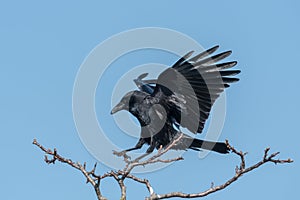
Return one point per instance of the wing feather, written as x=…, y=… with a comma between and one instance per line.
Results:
x=190, y=87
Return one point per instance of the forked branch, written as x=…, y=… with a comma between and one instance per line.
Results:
x=120, y=175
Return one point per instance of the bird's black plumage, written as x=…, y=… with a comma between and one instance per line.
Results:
x=182, y=95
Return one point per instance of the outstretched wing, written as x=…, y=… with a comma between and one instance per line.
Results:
x=190, y=87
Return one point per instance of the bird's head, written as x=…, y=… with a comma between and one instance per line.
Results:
x=123, y=104
x=128, y=101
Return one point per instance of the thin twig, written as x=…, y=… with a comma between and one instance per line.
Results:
x=121, y=175
x=77, y=166
x=238, y=173
x=154, y=158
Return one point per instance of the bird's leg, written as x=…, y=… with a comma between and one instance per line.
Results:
x=139, y=145
x=149, y=150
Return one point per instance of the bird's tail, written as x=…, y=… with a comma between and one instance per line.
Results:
x=219, y=147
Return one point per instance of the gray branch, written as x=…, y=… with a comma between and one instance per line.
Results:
x=120, y=175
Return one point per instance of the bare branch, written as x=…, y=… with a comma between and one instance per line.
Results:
x=153, y=159
x=78, y=166
x=238, y=173
x=121, y=175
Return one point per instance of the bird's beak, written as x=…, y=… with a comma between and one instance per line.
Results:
x=117, y=108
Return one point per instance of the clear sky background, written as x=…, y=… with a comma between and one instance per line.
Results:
x=42, y=45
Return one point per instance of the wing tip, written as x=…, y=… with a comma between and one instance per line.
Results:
x=215, y=47
x=228, y=52
x=142, y=76
x=186, y=56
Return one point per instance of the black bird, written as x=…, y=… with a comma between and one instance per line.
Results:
x=182, y=95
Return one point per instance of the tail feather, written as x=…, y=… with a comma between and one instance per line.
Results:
x=219, y=147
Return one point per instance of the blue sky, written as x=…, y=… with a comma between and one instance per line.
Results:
x=43, y=44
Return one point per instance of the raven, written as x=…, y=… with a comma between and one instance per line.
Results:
x=182, y=96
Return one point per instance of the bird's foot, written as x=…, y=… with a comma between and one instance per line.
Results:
x=121, y=154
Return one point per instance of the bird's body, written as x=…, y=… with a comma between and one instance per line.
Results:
x=181, y=96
